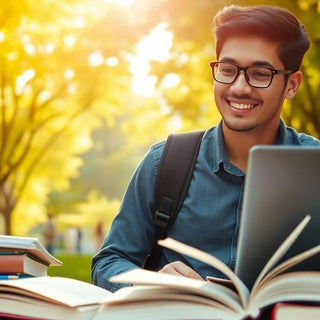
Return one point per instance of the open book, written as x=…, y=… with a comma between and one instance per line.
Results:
x=157, y=295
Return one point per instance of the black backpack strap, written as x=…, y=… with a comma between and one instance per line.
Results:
x=172, y=183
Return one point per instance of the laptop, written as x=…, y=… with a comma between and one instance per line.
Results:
x=282, y=186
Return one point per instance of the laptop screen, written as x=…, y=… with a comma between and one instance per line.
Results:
x=282, y=186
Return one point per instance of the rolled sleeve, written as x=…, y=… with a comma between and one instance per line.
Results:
x=131, y=236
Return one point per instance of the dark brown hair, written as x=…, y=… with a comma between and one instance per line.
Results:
x=273, y=23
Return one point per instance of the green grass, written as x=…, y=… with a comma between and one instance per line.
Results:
x=74, y=266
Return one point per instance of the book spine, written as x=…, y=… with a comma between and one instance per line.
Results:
x=10, y=264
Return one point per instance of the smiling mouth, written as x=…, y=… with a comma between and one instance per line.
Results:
x=242, y=106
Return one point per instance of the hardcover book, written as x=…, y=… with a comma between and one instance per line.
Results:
x=22, y=264
x=29, y=245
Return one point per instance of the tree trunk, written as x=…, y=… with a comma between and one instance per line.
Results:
x=7, y=205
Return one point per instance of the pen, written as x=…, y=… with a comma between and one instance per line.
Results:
x=8, y=277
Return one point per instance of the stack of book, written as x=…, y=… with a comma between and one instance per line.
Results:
x=24, y=257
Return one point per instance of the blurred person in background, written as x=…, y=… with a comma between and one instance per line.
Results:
x=49, y=234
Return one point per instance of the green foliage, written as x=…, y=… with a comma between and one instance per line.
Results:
x=303, y=113
x=48, y=106
x=71, y=126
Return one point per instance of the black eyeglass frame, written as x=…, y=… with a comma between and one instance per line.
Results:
x=273, y=72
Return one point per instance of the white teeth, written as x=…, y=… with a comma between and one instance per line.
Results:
x=241, y=105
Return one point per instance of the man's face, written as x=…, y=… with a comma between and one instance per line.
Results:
x=243, y=107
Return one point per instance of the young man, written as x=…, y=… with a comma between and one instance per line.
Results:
x=259, y=50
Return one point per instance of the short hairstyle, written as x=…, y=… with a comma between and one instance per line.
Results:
x=273, y=23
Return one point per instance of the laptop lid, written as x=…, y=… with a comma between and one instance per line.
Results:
x=282, y=186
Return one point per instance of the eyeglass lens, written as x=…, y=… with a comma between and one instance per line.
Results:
x=256, y=76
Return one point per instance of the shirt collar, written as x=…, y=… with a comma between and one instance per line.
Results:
x=220, y=157
x=220, y=160
x=284, y=137
x=219, y=152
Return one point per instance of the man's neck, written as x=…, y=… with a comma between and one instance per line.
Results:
x=238, y=143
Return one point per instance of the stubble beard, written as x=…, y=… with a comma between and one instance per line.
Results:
x=240, y=127
x=241, y=124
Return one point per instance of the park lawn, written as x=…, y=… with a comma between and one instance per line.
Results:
x=74, y=266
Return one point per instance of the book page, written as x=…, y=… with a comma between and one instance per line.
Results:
x=64, y=291
x=177, y=246
x=284, y=311
x=146, y=293
x=288, y=264
x=280, y=252
x=17, y=307
x=300, y=286
x=30, y=245
x=190, y=286
x=160, y=310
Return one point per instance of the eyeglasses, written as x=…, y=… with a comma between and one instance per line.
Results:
x=258, y=77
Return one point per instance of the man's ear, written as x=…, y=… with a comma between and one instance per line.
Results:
x=293, y=84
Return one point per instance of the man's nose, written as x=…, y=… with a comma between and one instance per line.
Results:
x=241, y=84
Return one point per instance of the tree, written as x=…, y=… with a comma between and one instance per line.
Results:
x=183, y=105
x=52, y=77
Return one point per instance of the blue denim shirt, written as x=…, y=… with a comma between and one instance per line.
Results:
x=209, y=219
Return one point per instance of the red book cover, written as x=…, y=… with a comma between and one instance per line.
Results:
x=21, y=263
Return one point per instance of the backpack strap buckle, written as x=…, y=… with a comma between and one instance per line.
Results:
x=163, y=214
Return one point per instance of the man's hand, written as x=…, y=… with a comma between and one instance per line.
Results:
x=180, y=269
